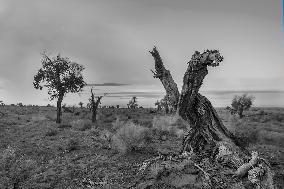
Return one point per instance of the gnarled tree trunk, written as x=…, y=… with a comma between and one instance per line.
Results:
x=208, y=138
x=206, y=126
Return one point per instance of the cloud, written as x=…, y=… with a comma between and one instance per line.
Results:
x=139, y=94
x=107, y=84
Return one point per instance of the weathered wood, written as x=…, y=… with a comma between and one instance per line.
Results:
x=166, y=78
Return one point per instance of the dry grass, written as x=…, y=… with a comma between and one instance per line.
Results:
x=164, y=126
x=130, y=137
x=81, y=124
x=63, y=163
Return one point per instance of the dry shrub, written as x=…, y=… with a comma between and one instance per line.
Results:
x=117, y=124
x=271, y=137
x=169, y=125
x=244, y=134
x=72, y=144
x=14, y=170
x=81, y=124
x=131, y=137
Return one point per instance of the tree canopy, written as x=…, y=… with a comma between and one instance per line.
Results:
x=60, y=76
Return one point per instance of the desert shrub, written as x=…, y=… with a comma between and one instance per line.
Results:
x=51, y=132
x=244, y=134
x=168, y=126
x=64, y=125
x=81, y=124
x=72, y=144
x=131, y=137
x=77, y=113
x=271, y=137
x=117, y=124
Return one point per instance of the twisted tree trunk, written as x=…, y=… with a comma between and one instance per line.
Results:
x=206, y=126
x=208, y=138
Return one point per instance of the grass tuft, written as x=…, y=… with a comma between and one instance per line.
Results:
x=131, y=137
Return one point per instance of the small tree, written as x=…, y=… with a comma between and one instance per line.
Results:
x=81, y=104
x=159, y=106
x=94, y=104
x=60, y=76
x=133, y=103
x=20, y=104
x=2, y=103
x=240, y=104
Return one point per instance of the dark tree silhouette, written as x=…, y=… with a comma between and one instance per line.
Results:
x=133, y=103
x=60, y=76
x=94, y=104
x=81, y=104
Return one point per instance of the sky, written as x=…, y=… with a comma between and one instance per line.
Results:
x=111, y=38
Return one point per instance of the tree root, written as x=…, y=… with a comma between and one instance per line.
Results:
x=186, y=169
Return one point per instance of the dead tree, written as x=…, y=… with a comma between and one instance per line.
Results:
x=94, y=104
x=208, y=138
x=207, y=127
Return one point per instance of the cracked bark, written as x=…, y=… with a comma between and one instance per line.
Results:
x=166, y=78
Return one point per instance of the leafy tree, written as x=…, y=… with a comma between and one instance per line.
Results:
x=60, y=76
x=240, y=104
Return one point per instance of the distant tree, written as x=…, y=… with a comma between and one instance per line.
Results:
x=133, y=103
x=2, y=103
x=240, y=104
x=20, y=104
x=81, y=104
x=94, y=104
x=48, y=105
x=117, y=106
x=60, y=76
x=159, y=106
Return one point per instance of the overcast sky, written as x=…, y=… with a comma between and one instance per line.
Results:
x=111, y=38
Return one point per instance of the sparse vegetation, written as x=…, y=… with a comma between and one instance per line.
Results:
x=70, y=155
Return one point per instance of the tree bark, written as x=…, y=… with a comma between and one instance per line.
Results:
x=166, y=78
x=59, y=101
x=206, y=126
